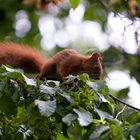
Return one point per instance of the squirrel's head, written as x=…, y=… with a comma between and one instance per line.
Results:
x=93, y=66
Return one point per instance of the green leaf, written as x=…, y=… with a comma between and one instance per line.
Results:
x=98, y=132
x=47, y=89
x=117, y=130
x=84, y=77
x=132, y=117
x=13, y=73
x=107, y=107
x=98, y=85
x=10, y=69
x=103, y=114
x=46, y=108
x=74, y=3
x=69, y=118
x=7, y=105
x=135, y=131
x=29, y=81
x=61, y=137
x=67, y=96
x=84, y=118
x=123, y=94
x=112, y=55
x=75, y=132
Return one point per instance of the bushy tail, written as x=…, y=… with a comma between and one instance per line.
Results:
x=20, y=56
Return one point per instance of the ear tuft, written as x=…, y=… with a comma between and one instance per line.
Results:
x=96, y=55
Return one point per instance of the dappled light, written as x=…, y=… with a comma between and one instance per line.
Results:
x=118, y=80
x=22, y=24
x=72, y=31
x=121, y=32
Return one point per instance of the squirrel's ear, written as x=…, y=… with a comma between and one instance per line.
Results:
x=94, y=57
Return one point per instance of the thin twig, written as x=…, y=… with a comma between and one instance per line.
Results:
x=122, y=102
x=121, y=111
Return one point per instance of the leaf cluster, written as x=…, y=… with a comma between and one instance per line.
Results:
x=30, y=109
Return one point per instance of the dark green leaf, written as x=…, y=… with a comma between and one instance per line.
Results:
x=123, y=94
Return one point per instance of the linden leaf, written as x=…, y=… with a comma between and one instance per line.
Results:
x=103, y=114
x=84, y=118
x=69, y=118
x=46, y=108
x=98, y=132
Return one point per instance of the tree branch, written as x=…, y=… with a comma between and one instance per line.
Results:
x=122, y=102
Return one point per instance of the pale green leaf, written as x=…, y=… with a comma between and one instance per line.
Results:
x=84, y=118
x=103, y=114
x=74, y=3
x=69, y=118
x=46, y=108
x=46, y=89
x=98, y=132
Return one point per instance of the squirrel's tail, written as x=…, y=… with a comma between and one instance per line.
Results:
x=20, y=56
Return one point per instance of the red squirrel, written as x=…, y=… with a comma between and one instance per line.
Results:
x=58, y=67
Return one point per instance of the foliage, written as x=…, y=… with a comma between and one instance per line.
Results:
x=30, y=109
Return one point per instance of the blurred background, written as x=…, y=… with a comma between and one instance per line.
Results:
x=109, y=26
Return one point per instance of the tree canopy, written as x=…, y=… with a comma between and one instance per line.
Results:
x=32, y=109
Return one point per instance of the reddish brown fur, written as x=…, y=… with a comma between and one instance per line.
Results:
x=56, y=68
x=71, y=62
x=20, y=56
